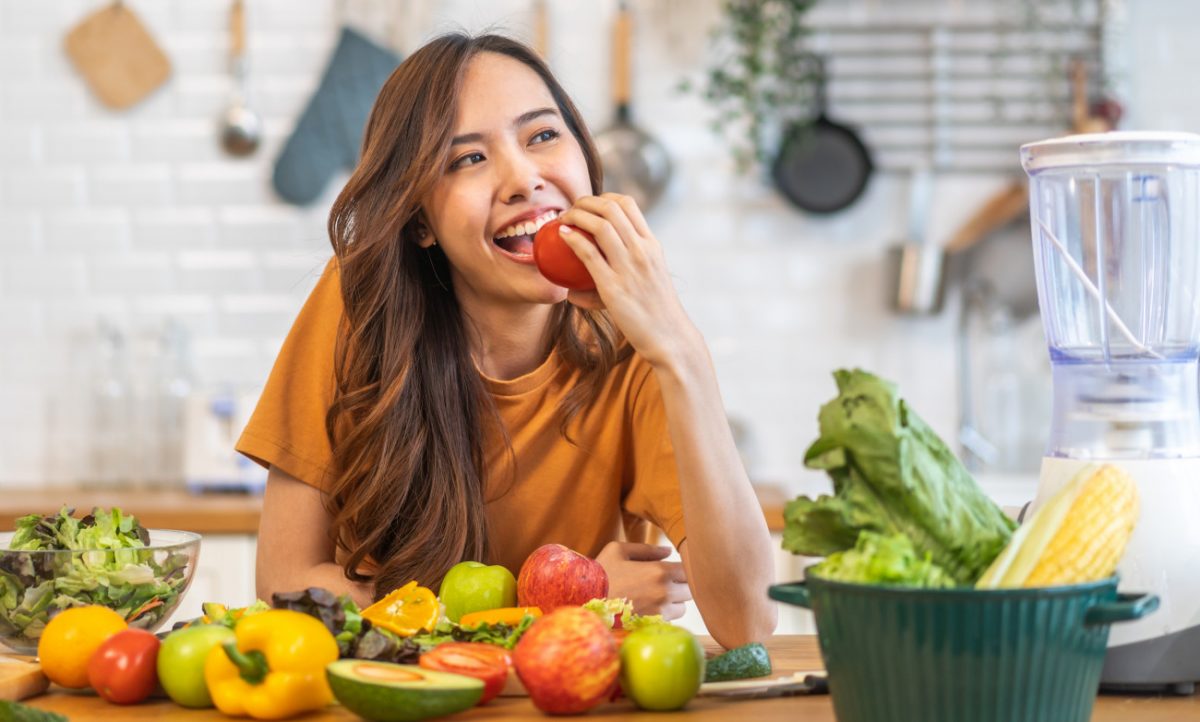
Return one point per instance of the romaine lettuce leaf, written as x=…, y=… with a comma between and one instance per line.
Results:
x=892, y=475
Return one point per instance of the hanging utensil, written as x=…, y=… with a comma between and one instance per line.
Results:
x=634, y=162
x=1002, y=208
x=823, y=166
x=241, y=128
x=117, y=57
x=541, y=28
x=915, y=265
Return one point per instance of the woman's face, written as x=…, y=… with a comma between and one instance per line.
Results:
x=513, y=165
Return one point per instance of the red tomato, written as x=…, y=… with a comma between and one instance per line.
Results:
x=124, y=669
x=556, y=260
x=473, y=659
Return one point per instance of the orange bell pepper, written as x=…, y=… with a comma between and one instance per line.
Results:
x=504, y=615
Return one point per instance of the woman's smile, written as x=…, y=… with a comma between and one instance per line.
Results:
x=515, y=240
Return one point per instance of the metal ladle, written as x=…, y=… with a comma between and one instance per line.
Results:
x=241, y=128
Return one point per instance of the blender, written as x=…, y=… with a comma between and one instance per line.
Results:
x=1116, y=236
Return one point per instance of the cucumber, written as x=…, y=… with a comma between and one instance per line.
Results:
x=743, y=662
x=13, y=712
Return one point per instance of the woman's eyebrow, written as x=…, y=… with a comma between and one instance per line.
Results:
x=522, y=119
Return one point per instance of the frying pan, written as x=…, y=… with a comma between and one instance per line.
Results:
x=634, y=162
x=822, y=166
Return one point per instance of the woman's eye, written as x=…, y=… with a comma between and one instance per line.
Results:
x=545, y=135
x=468, y=159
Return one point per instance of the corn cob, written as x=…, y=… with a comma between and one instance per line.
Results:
x=1079, y=535
x=1093, y=536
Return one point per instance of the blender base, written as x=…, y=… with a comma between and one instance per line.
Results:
x=1165, y=665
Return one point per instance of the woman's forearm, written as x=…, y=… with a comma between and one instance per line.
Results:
x=727, y=553
x=294, y=550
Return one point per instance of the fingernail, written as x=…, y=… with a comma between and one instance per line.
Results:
x=565, y=230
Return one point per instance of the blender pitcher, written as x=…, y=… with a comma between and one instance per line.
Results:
x=1116, y=235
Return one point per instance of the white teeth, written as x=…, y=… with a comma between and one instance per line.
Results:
x=528, y=227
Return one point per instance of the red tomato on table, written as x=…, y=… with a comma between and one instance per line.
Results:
x=482, y=661
x=124, y=669
x=556, y=260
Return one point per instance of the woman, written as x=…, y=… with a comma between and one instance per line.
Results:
x=476, y=410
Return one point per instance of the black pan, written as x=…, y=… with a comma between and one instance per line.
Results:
x=822, y=166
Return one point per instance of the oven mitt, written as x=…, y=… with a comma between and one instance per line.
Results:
x=116, y=56
x=329, y=134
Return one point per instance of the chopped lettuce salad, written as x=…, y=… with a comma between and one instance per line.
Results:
x=109, y=565
x=618, y=613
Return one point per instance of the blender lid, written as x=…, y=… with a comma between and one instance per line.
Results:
x=1113, y=148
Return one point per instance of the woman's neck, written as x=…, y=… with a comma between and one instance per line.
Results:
x=507, y=341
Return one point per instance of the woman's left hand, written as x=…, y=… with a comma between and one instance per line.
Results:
x=630, y=271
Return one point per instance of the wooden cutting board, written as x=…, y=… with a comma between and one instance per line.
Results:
x=116, y=56
x=21, y=677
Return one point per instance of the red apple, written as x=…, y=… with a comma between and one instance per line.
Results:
x=568, y=661
x=554, y=576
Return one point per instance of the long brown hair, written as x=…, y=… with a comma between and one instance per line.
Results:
x=409, y=409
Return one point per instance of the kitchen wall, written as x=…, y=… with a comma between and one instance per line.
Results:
x=136, y=217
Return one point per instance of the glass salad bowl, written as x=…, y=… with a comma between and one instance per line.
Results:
x=144, y=584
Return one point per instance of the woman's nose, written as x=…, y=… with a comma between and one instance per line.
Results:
x=520, y=178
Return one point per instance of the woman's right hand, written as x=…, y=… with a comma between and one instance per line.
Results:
x=637, y=572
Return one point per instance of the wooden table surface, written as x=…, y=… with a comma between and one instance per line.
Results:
x=788, y=654
x=212, y=513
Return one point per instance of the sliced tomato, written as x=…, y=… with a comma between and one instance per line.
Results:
x=473, y=659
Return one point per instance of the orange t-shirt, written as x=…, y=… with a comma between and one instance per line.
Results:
x=619, y=474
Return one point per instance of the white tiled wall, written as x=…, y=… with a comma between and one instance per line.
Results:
x=136, y=216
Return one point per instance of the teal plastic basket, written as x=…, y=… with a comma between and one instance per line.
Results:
x=963, y=655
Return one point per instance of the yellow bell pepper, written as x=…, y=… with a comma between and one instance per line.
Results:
x=274, y=668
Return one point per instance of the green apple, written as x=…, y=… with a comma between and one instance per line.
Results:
x=475, y=587
x=662, y=667
x=181, y=662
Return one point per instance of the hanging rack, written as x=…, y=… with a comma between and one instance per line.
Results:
x=959, y=95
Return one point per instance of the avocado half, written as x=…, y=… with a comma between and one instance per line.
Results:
x=388, y=692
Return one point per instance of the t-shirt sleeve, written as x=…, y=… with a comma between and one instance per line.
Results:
x=654, y=492
x=287, y=428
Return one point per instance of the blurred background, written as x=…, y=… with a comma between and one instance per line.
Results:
x=150, y=267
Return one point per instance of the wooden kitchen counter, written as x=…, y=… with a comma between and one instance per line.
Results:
x=212, y=513
x=788, y=654
x=154, y=508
